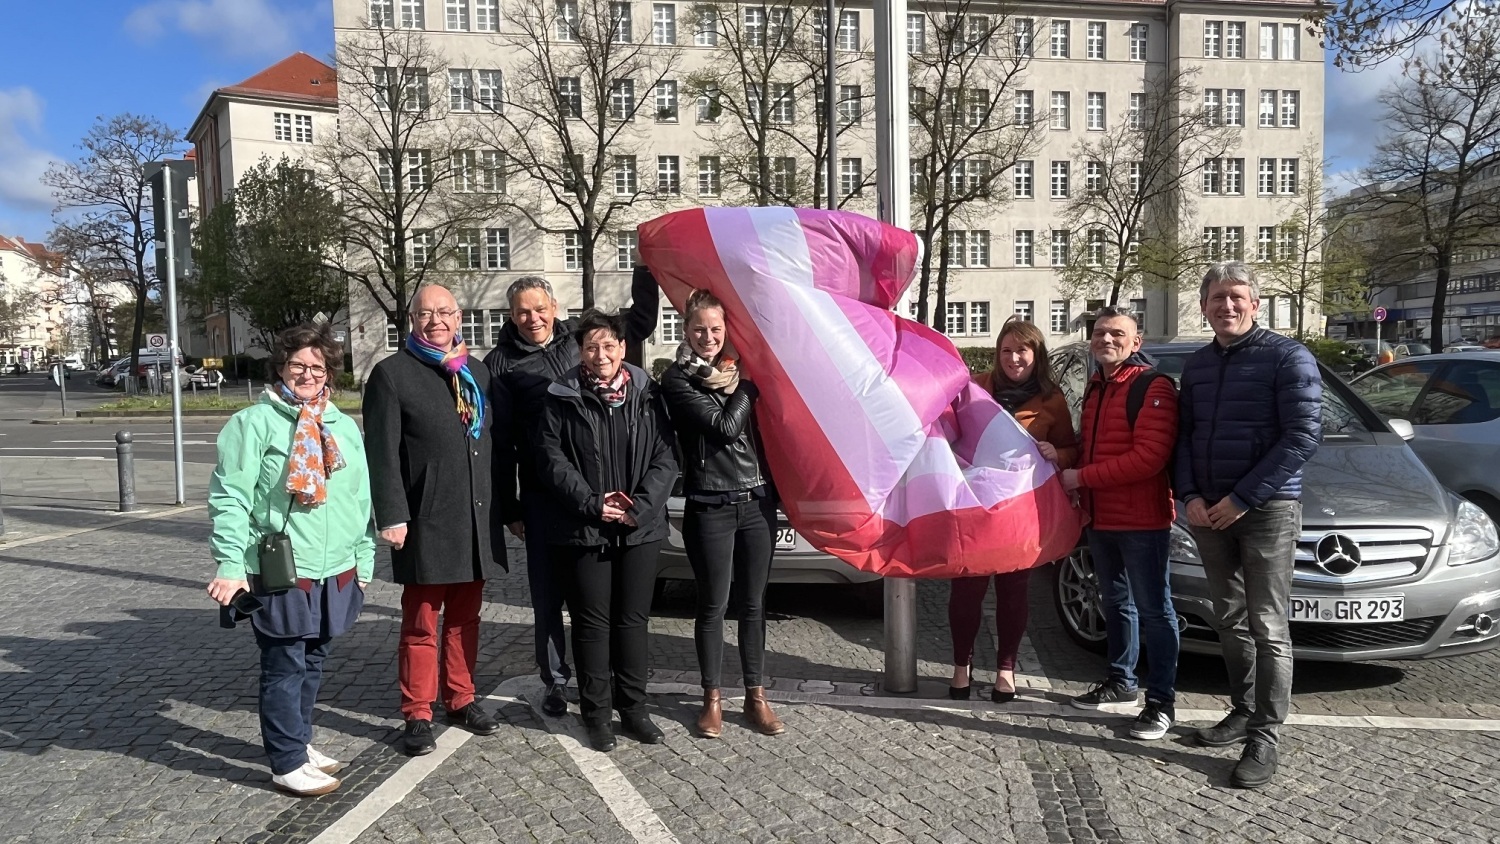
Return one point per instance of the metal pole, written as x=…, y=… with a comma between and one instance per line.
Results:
x=2, y=518
x=893, y=185
x=125, y=466
x=171, y=224
x=831, y=110
x=62, y=384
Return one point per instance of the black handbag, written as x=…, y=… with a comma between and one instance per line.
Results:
x=278, y=565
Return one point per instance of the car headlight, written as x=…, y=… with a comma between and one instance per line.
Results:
x=1473, y=536
x=1183, y=548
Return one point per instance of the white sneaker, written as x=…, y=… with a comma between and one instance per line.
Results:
x=306, y=781
x=326, y=764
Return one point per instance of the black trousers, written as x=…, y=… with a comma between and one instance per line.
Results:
x=608, y=591
x=730, y=543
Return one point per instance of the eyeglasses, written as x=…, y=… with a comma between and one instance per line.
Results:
x=304, y=369
x=429, y=315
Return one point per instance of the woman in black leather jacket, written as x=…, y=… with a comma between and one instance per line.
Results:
x=729, y=527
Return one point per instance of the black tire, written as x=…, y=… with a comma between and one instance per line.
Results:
x=1075, y=596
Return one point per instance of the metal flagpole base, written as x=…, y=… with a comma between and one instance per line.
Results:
x=900, y=636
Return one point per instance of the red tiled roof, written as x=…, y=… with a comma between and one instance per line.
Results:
x=38, y=252
x=298, y=75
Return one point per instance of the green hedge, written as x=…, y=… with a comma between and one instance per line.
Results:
x=979, y=358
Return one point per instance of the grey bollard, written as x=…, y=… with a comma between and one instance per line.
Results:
x=125, y=462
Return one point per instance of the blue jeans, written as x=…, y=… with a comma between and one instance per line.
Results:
x=290, y=672
x=546, y=594
x=1131, y=566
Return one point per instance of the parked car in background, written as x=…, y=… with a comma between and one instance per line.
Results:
x=17, y=368
x=109, y=376
x=74, y=362
x=1464, y=346
x=1452, y=401
x=1389, y=564
x=1411, y=349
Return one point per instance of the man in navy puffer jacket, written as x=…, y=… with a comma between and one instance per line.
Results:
x=1250, y=415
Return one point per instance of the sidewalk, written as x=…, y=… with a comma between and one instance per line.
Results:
x=126, y=713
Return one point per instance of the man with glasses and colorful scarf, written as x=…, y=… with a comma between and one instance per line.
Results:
x=428, y=417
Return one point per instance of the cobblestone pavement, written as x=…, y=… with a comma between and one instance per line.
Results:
x=126, y=713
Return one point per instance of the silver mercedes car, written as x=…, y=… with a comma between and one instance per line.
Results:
x=1390, y=565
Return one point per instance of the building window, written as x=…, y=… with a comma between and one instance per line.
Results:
x=1287, y=183
x=1212, y=183
x=708, y=105
x=666, y=101
x=1266, y=185
x=1025, y=37
x=465, y=171
x=1094, y=111
x=953, y=321
x=1213, y=32
x=460, y=90
x=1060, y=179
x=848, y=31
x=783, y=103
x=472, y=326
x=1138, y=310
x=1213, y=105
x=392, y=336
x=755, y=26
x=779, y=27
x=456, y=15
x=497, y=249
x=1289, y=109
x=1135, y=178
x=1234, y=39
x=418, y=169
x=486, y=15
x=625, y=244
x=1234, y=107
x=572, y=251
x=622, y=30
x=1286, y=243
x=567, y=20
x=1024, y=177
x=1093, y=45
x=625, y=181
x=979, y=319
x=1268, y=41
x=1059, y=247
x=1263, y=239
x=783, y=176
x=1093, y=178
x=491, y=171
x=421, y=247
x=664, y=23
x=487, y=94
x=671, y=326
x=283, y=123
x=1137, y=106
x=412, y=16
x=708, y=175
x=1138, y=42
x=1267, y=109
x=1024, y=249
x=851, y=177
x=1059, y=110
x=1234, y=176
x=1096, y=247
x=1059, y=39
x=916, y=34
x=706, y=34
x=979, y=248
x=1026, y=310
x=466, y=250
x=668, y=175
x=1059, y=316
x=1025, y=108
x=382, y=14
x=851, y=105
x=1289, y=40
x=622, y=99
x=1234, y=243
x=1213, y=237
x=569, y=97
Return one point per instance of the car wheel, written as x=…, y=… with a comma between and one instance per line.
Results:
x=1076, y=596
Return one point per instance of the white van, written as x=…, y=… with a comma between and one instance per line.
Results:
x=73, y=362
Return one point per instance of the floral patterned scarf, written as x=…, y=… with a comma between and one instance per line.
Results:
x=611, y=392
x=315, y=455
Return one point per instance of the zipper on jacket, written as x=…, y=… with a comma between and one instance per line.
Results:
x=1094, y=434
x=1214, y=427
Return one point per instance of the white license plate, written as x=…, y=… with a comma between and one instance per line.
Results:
x=1375, y=609
x=786, y=539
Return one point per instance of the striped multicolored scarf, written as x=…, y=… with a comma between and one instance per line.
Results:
x=611, y=392
x=315, y=455
x=468, y=398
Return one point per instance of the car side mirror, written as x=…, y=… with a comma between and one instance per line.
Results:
x=1401, y=428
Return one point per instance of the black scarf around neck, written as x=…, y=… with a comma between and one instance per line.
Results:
x=1011, y=396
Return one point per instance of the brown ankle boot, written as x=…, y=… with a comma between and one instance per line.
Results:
x=711, y=719
x=758, y=713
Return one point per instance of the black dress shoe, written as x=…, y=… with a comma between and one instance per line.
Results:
x=556, y=702
x=955, y=693
x=601, y=737
x=640, y=728
x=418, y=740
x=474, y=719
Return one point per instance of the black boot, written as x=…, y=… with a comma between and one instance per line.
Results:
x=639, y=727
x=601, y=737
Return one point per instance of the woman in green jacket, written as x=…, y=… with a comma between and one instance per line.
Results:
x=292, y=463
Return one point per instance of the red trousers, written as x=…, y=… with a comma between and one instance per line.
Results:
x=966, y=603
x=418, y=664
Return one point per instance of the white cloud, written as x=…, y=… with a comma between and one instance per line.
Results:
x=21, y=162
x=237, y=27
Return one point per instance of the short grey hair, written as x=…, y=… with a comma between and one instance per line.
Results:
x=525, y=283
x=1235, y=272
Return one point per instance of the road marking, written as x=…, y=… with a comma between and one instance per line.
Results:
x=122, y=518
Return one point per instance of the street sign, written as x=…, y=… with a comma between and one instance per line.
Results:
x=156, y=342
x=1380, y=314
x=57, y=374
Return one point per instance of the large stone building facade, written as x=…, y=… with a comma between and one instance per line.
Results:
x=1256, y=64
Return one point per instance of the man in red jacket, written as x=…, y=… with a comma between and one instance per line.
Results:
x=1122, y=477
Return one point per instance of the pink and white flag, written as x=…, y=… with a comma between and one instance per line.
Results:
x=885, y=453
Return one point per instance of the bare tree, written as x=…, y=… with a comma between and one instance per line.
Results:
x=585, y=87
x=756, y=94
x=1126, y=224
x=411, y=175
x=1367, y=32
x=94, y=284
x=968, y=129
x=104, y=204
x=1433, y=165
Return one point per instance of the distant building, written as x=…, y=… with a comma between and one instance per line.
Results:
x=280, y=111
x=28, y=271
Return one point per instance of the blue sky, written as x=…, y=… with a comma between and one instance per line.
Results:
x=70, y=61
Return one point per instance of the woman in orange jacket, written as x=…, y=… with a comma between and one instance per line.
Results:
x=1022, y=382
